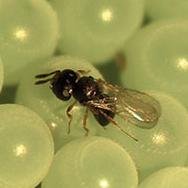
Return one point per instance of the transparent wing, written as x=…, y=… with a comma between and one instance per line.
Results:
x=136, y=107
x=105, y=103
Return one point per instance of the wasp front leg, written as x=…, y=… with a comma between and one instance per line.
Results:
x=69, y=114
x=85, y=122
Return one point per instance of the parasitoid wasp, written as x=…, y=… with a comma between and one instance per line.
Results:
x=104, y=100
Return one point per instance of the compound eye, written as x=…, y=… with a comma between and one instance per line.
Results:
x=61, y=93
x=69, y=75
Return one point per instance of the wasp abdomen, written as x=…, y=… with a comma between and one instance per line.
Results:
x=103, y=116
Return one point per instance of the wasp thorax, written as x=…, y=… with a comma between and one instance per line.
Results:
x=86, y=89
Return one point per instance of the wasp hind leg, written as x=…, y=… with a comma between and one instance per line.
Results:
x=110, y=119
x=120, y=61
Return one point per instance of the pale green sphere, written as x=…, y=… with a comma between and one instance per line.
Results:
x=92, y=163
x=96, y=30
x=166, y=9
x=26, y=147
x=172, y=177
x=161, y=146
x=29, y=31
x=157, y=59
x=1, y=74
x=41, y=99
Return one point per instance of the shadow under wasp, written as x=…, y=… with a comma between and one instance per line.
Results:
x=104, y=100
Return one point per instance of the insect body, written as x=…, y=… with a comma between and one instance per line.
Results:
x=102, y=99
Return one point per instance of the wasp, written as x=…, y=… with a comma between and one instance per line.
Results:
x=104, y=100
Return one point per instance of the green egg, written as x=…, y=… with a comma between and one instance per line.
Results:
x=161, y=146
x=26, y=147
x=96, y=30
x=29, y=31
x=92, y=163
x=172, y=177
x=168, y=9
x=157, y=59
x=41, y=99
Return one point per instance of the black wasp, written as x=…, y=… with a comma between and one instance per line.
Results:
x=102, y=99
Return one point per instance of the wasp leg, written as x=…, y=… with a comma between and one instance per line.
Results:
x=110, y=119
x=83, y=72
x=69, y=114
x=109, y=87
x=120, y=61
x=85, y=122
